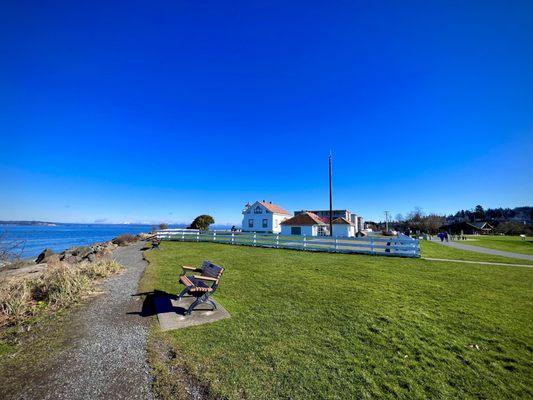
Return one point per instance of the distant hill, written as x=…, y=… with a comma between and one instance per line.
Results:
x=30, y=223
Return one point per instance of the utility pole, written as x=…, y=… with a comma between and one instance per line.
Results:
x=330, y=200
x=387, y=221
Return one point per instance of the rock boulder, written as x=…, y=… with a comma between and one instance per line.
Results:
x=44, y=256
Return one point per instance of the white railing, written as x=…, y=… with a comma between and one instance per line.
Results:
x=402, y=246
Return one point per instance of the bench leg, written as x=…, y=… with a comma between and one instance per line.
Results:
x=193, y=305
x=213, y=304
x=183, y=292
x=202, y=299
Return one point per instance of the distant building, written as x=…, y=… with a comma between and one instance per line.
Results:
x=468, y=228
x=263, y=216
x=357, y=221
x=304, y=223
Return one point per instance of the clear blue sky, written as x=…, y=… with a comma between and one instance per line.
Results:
x=159, y=111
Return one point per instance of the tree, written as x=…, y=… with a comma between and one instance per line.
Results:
x=202, y=222
x=417, y=221
x=163, y=226
x=514, y=228
x=479, y=212
x=432, y=223
x=10, y=250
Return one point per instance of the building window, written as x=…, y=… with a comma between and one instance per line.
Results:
x=296, y=230
x=265, y=223
x=250, y=223
x=258, y=210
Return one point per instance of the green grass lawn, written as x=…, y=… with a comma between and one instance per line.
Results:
x=432, y=249
x=317, y=325
x=514, y=244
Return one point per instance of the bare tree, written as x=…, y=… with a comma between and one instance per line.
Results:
x=432, y=223
x=417, y=221
x=10, y=250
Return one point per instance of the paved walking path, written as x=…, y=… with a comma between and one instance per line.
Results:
x=105, y=357
x=478, y=262
x=461, y=246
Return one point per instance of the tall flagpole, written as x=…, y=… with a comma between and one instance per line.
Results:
x=330, y=200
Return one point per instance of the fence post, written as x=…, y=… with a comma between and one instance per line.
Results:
x=198, y=236
x=336, y=244
x=182, y=236
x=214, y=236
x=232, y=237
x=305, y=242
x=255, y=238
x=277, y=241
x=371, y=245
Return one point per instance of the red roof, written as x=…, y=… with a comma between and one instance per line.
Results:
x=341, y=221
x=306, y=218
x=273, y=208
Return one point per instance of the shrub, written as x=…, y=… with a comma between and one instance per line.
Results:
x=60, y=285
x=100, y=269
x=15, y=300
x=202, y=222
x=125, y=239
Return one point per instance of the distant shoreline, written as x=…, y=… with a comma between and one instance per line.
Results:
x=48, y=223
x=29, y=223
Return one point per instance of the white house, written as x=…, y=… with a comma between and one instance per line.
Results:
x=305, y=223
x=263, y=216
x=343, y=228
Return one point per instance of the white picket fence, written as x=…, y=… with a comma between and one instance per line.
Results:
x=402, y=246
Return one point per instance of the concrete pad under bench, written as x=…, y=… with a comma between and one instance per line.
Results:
x=171, y=312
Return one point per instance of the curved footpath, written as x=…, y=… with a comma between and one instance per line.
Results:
x=461, y=246
x=106, y=354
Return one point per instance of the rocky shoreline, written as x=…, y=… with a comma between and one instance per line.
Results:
x=74, y=255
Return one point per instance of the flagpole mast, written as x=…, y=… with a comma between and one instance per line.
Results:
x=330, y=200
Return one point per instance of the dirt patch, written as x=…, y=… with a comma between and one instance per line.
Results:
x=172, y=381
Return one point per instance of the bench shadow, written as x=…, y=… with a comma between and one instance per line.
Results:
x=159, y=301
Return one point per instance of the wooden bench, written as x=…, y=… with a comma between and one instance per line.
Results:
x=201, y=285
x=155, y=243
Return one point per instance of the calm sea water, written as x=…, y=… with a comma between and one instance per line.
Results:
x=61, y=237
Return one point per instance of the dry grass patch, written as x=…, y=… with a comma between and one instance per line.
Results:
x=59, y=285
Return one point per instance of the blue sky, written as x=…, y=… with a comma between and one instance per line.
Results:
x=159, y=111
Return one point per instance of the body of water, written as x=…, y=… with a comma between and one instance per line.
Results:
x=61, y=237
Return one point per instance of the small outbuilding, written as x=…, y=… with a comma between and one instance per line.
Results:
x=343, y=228
x=306, y=223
